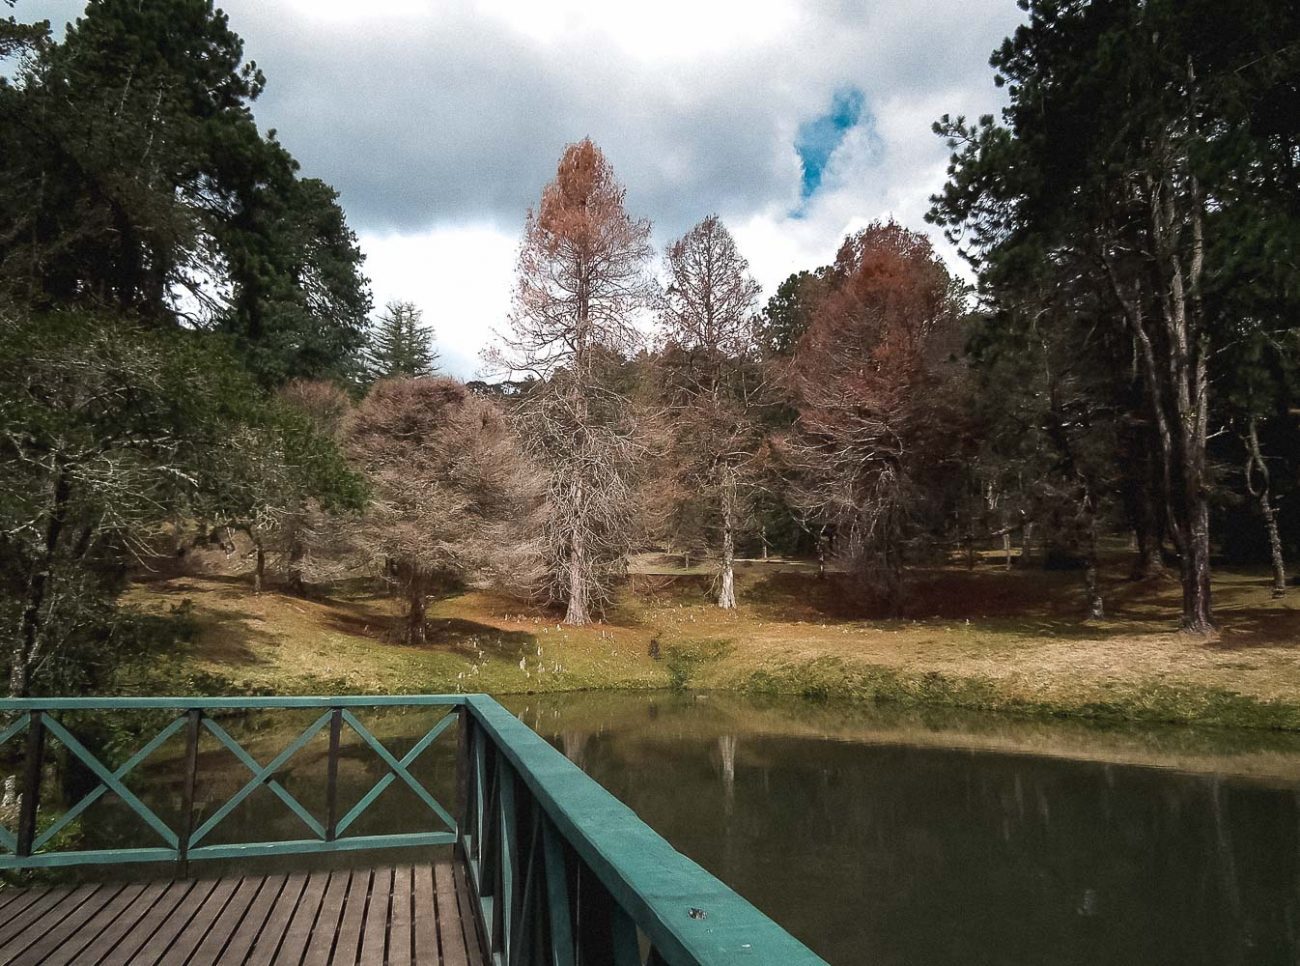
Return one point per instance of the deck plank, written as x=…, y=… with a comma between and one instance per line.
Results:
x=284, y=928
x=468, y=918
x=189, y=938
x=175, y=924
x=43, y=946
x=90, y=930
x=425, y=924
x=400, y=934
x=117, y=929
x=363, y=917
x=46, y=912
x=320, y=942
x=226, y=925
x=451, y=933
x=299, y=931
x=8, y=894
x=134, y=941
x=354, y=914
x=374, y=934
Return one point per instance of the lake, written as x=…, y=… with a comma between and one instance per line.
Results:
x=930, y=838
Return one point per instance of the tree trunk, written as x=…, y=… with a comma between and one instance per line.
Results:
x=1092, y=579
x=576, y=613
x=1148, y=523
x=1148, y=564
x=417, y=600
x=727, y=579
x=1026, y=543
x=1255, y=466
x=29, y=626
x=296, y=554
x=1006, y=548
x=259, y=570
x=18, y=686
x=1173, y=351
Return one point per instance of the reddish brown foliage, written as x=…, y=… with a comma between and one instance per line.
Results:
x=868, y=379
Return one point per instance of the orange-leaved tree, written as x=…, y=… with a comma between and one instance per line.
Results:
x=870, y=380
x=581, y=281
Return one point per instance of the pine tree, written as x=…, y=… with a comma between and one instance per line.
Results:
x=400, y=345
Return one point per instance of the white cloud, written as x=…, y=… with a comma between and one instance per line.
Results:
x=460, y=276
x=667, y=30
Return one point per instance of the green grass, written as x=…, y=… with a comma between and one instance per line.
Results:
x=985, y=639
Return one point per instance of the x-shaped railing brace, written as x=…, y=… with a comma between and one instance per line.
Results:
x=261, y=775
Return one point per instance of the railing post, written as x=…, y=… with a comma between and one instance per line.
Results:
x=508, y=856
x=332, y=776
x=31, y=792
x=461, y=812
x=192, y=725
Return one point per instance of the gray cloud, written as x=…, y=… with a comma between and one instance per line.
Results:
x=425, y=120
x=440, y=115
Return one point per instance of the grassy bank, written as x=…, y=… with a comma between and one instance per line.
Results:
x=983, y=639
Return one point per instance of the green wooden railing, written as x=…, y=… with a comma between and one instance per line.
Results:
x=37, y=721
x=562, y=872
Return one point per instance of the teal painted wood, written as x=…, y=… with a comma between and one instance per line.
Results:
x=444, y=833
x=627, y=946
x=509, y=845
x=557, y=897
x=249, y=762
x=17, y=727
x=654, y=884
x=50, y=860
x=259, y=778
x=398, y=769
x=92, y=797
x=530, y=812
x=229, y=703
x=104, y=775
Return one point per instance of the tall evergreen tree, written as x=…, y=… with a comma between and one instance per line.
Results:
x=136, y=181
x=1139, y=137
x=400, y=344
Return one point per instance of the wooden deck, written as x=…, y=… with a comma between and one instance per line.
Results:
x=401, y=915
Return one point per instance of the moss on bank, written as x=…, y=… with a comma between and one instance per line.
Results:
x=830, y=678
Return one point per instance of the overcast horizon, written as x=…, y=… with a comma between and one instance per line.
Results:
x=439, y=123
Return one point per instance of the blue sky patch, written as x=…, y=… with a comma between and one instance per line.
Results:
x=817, y=139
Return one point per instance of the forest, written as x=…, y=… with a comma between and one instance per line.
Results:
x=190, y=357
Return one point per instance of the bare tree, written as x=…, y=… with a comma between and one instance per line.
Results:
x=581, y=283
x=709, y=371
x=451, y=496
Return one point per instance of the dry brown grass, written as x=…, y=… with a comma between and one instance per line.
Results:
x=1016, y=631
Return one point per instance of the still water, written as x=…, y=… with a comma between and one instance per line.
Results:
x=886, y=838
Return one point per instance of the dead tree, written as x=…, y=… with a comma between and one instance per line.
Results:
x=709, y=375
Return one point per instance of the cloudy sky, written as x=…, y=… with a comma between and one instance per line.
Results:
x=797, y=121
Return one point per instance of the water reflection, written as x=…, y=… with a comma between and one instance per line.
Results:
x=875, y=847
